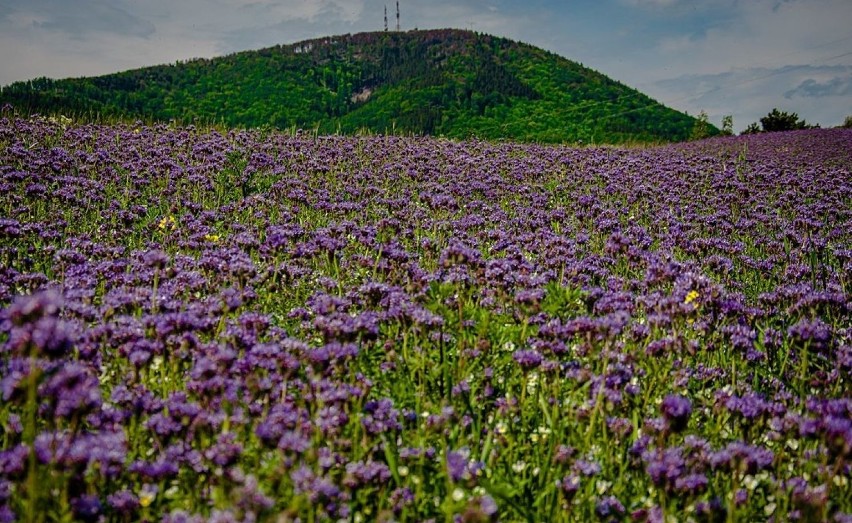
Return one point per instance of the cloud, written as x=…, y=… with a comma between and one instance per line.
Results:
x=75, y=18
x=749, y=94
x=650, y=3
x=308, y=10
x=723, y=56
x=811, y=88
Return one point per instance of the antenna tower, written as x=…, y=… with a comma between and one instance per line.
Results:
x=386, y=18
x=397, y=16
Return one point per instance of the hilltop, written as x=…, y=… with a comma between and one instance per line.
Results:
x=445, y=82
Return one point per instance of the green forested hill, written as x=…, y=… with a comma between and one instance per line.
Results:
x=440, y=82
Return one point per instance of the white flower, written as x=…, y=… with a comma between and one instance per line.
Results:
x=458, y=494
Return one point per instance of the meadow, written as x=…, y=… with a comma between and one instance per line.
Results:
x=256, y=326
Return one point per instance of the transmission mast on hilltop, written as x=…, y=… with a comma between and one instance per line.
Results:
x=386, y=18
x=397, y=16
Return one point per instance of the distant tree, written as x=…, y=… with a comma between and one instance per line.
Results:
x=728, y=125
x=753, y=128
x=847, y=123
x=781, y=121
x=701, y=127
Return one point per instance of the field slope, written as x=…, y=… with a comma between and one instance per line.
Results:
x=256, y=326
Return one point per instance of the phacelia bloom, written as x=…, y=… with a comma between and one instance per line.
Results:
x=13, y=461
x=838, y=436
x=570, y=485
x=713, y=511
x=480, y=509
x=461, y=467
x=816, y=333
x=742, y=456
x=155, y=259
x=32, y=324
x=251, y=497
x=527, y=359
x=750, y=406
x=676, y=411
x=401, y=498
x=359, y=473
x=87, y=507
x=664, y=467
x=587, y=468
x=609, y=507
x=72, y=390
x=380, y=416
x=123, y=501
x=691, y=484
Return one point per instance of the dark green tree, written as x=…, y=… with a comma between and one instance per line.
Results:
x=781, y=121
x=753, y=128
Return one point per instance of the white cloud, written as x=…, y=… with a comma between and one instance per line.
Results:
x=650, y=3
x=821, y=88
x=689, y=55
x=749, y=94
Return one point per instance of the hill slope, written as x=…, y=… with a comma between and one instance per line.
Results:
x=442, y=82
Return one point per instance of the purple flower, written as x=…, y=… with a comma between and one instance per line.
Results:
x=815, y=332
x=225, y=451
x=609, y=507
x=123, y=502
x=361, y=473
x=480, y=509
x=294, y=441
x=691, y=484
x=401, y=498
x=587, y=468
x=838, y=436
x=33, y=324
x=72, y=390
x=676, y=410
x=713, y=511
x=527, y=359
x=750, y=406
x=380, y=416
x=155, y=259
x=742, y=456
x=570, y=485
x=154, y=470
x=318, y=489
x=251, y=497
x=665, y=467
x=461, y=467
x=87, y=507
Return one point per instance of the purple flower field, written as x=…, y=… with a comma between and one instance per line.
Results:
x=253, y=326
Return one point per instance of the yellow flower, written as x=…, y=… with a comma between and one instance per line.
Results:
x=213, y=238
x=168, y=222
x=146, y=497
x=691, y=296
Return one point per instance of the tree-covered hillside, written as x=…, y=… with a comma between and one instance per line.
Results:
x=439, y=82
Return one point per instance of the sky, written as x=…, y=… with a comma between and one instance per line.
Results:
x=724, y=57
